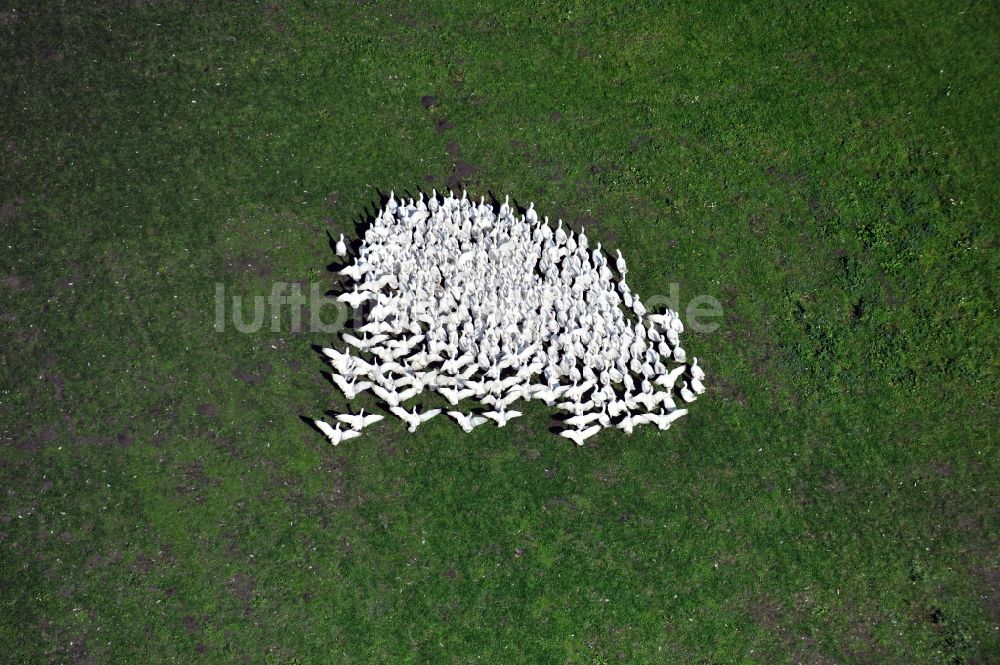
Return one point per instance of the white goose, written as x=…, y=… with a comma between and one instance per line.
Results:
x=620, y=264
x=628, y=423
x=456, y=395
x=668, y=380
x=350, y=387
x=391, y=397
x=359, y=421
x=339, y=360
x=364, y=342
x=583, y=419
x=468, y=422
x=335, y=434
x=663, y=419
x=355, y=272
x=412, y=418
x=578, y=436
x=696, y=371
x=502, y=416
x=546, y=394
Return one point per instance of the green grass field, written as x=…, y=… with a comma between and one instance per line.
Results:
x=827, y=172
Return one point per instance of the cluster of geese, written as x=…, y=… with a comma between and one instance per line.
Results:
x=481, y=304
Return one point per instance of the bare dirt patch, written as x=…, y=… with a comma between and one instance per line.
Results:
x=757, y=224
x=251, y=264
x=639, y=141
x=777, y=175
x=35, y=442
x=58, y=385
x=102, y=560
x=610, y=475
x=16, y=283
x=728, y=390
x=987, y=576
x=8, y=211
x=206, y=410
x=253, y=378
x=942, y=469
x=241, y=586
x=194, y=481
x=191, y=624
x=463, y=170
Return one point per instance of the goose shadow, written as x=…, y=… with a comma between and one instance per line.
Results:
x=311, y=423
x=559, y=418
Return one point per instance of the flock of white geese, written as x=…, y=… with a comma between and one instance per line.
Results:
x=479, y=304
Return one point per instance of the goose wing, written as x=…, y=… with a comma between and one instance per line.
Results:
x=674, y=415
x=349, y=419
x=427, y=415
x=341, y=382
x=371, y=419
x=495, y=416
x=401, y=413
x=326, y=428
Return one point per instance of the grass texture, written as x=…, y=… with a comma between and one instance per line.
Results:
x=826, y=171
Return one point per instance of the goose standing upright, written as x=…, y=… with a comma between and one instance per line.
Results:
x=620, y=264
